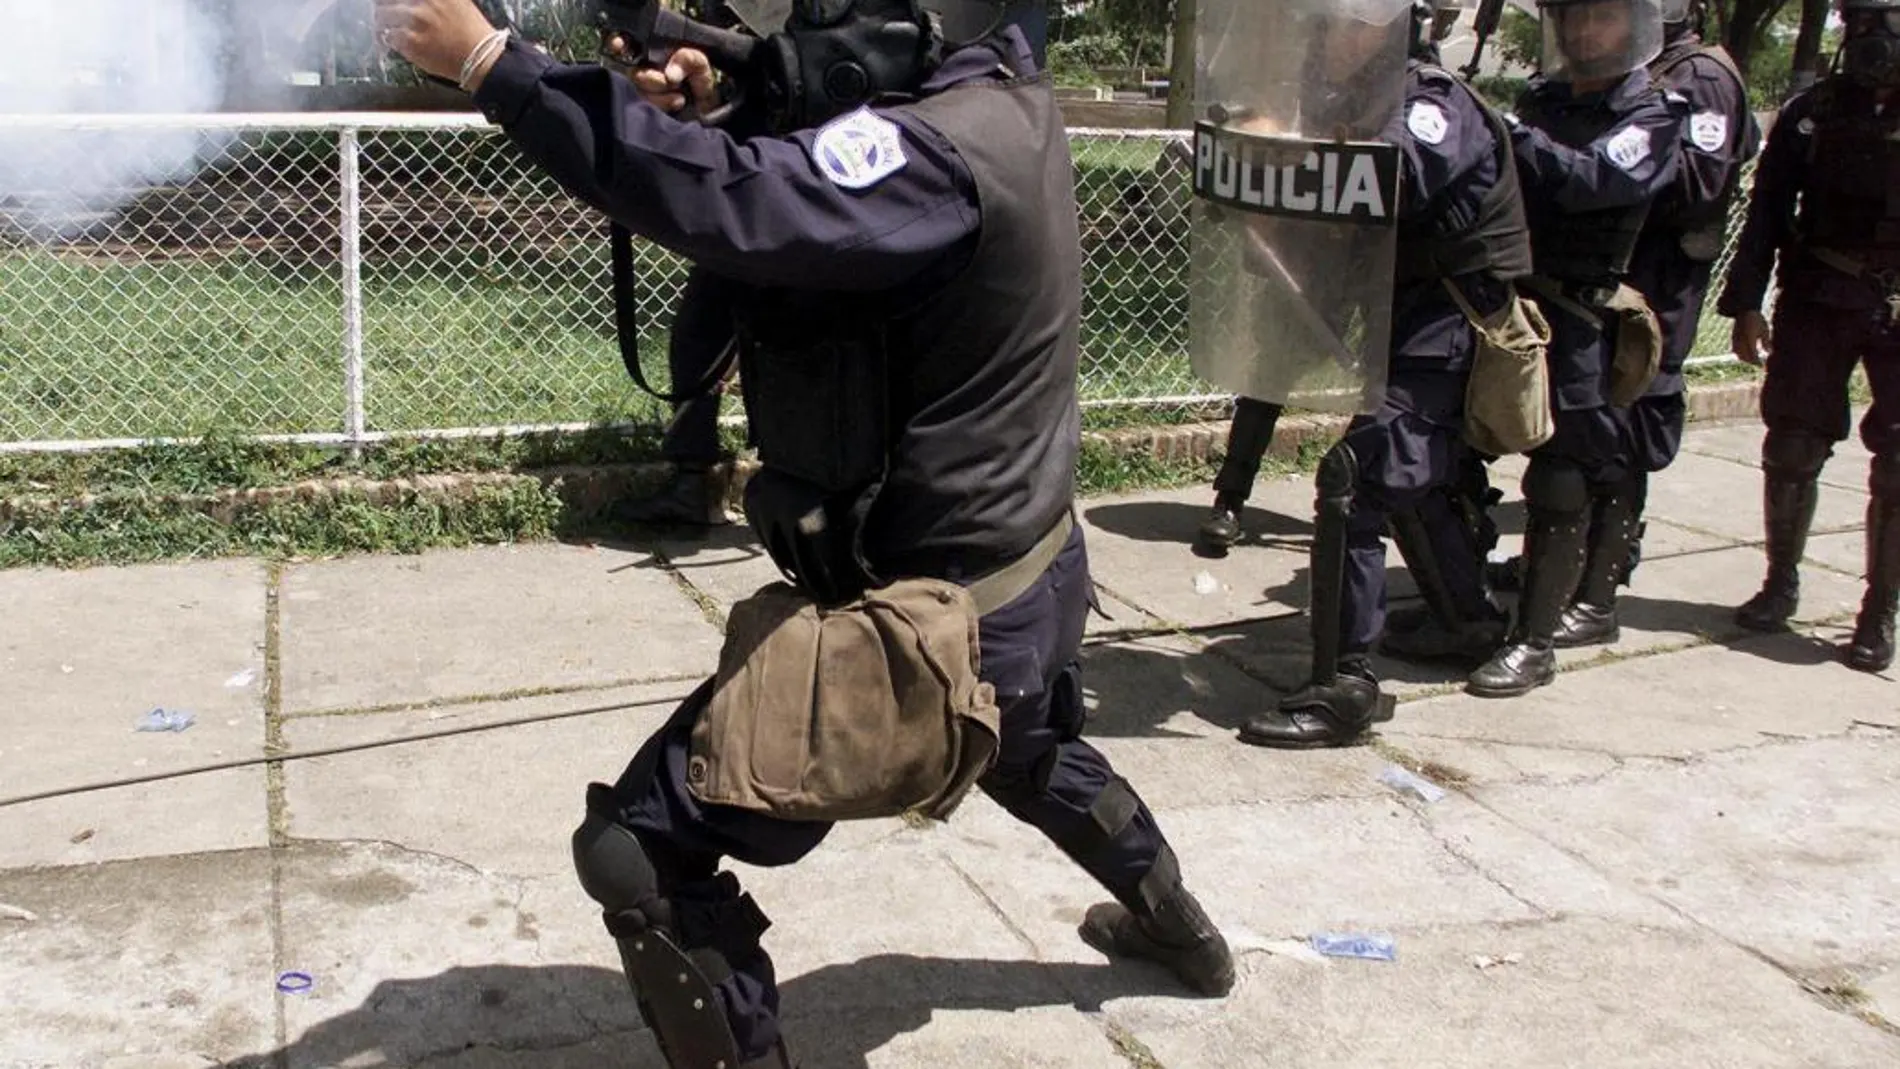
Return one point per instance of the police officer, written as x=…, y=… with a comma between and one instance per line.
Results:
x=1671, y=267
x=1596, y=145
x=1248, y=436
x=1462, y=229
x=913, y=220
x=1826, y=199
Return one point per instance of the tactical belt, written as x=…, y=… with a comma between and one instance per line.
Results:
x=1886, y=277
x=1006, y=584
x=1584, y=302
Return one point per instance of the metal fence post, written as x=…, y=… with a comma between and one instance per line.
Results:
x=350, y=231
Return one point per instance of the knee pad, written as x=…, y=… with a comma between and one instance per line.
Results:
x=1883, y=477
x=1555, y=486
x=1794, y=454
x=614, y=869
x=1338, y=472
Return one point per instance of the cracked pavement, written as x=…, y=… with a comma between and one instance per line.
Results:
x=1685, y=852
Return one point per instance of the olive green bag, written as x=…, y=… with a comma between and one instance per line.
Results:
x=869, y=709
x=1507, y=400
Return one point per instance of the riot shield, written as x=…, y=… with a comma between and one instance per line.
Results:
x=1296, y=198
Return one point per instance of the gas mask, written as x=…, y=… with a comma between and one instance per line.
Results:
x=794, y=64
x=1870, y=49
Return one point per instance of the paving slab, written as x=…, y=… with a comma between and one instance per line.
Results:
x=1740, y=443
x=161, y=961
x=443, y=796
x=1791, y=850
x=1265, y=871
x=1758, y=690
x=1585, y=992
x=423, y=955
x=373, y=631
x=1029, y=1037
x=1166, y=712
x=1141, y=549
x=1724, y=497
x=86, y=654
x=1883, y=993
x=195, y=814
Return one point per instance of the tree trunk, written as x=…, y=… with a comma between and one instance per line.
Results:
x=1181, y=67
x=1807, y=44
x=1747, y=19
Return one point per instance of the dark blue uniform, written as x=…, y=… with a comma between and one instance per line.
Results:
x=1461, y=229
x=1625, y=160
x=1825, y=216
x=786, y=225
x=1676, y=253
x=1413, y=446
x=1593, y=165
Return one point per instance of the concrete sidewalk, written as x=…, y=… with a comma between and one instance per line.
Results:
x=1684, y=853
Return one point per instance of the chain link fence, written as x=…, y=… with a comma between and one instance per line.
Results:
x=344, y=278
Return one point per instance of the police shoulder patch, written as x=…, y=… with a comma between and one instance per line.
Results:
x=1628, y=148
x=1708, y=130
x=859, y=150
x=1427, y=122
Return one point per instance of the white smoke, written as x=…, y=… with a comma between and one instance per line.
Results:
x=73, y=58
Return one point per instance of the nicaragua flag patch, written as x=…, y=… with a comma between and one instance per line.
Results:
x=859, y=150
x=1708, y=130
x=1628, y=148
x=1427, y=122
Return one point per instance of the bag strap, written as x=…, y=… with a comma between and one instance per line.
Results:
x=1554, y=293
x=1007, y=583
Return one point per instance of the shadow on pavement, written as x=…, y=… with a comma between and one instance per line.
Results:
x=1178, y=522
x=527, y=1015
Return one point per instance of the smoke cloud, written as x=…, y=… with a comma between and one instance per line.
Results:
x=85, y=57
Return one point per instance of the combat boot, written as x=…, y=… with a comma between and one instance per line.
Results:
x=1554, y=549
x=1789, y=507
x=1221, y=529
x=1871, y=649
x=1175, y=933
x=1321, y=714
x=1590, y=620
x=687, y=498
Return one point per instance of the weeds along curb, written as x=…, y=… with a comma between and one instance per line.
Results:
x=354, y=514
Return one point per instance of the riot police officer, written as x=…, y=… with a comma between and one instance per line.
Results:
x=1826, y=199
x=1462, y=236
x=1671, y=267
x=907, y=239
x=1596, y=145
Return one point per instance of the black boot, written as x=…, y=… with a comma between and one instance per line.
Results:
x=1248, y=437
x=1320, y=715
x=688, y=499
x=1871, y=649
x=1174, y=932
x=1590, y=620
x=1789, y=507
x=1451, y=627
x=1554, y=548
x=1221, y=529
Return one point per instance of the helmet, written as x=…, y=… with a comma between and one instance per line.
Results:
x=1870, y=41
x=1597, y=40
x=1432, y=22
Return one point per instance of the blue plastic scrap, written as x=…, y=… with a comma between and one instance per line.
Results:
x=1355, y=945
x=165, y=720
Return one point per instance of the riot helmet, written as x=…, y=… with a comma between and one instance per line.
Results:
x=1358, y=34
x=1432, y=22
x=1680, y=17
x=1870, y=42
x=1599, y=40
